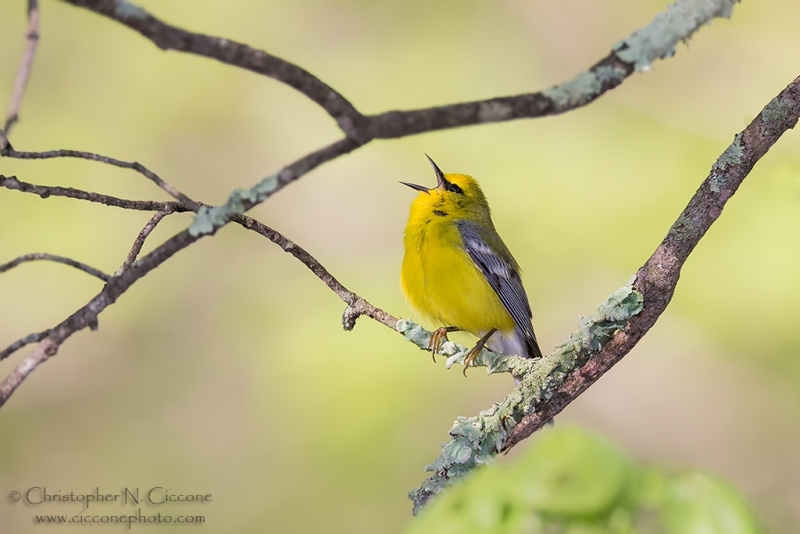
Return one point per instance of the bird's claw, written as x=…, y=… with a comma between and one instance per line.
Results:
x=471, y=356
x=438, y=337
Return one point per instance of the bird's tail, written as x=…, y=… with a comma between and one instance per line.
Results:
x=515, y=342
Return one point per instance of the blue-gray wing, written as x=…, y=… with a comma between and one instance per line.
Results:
x=506, y=282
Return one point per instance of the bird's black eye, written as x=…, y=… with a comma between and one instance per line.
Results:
x=453, y=188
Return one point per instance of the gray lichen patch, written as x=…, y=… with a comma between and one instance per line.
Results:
x=125, y=10
x=475, y=440
x=732, y=155
x=776, y=111
x=208, y=220
x=579, y=90
x=678, y=23
x=684, y=229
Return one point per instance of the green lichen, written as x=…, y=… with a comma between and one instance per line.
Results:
x=609, y=74
x=208, y=220
x=683, y=229
x=475, y=440
x=678, y=23
x=776, y=111
x=126, y=11
x=265, y=187
x=579, y=90
x=732, y=155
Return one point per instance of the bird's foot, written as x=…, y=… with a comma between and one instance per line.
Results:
x=472, y=355
x=438, y=337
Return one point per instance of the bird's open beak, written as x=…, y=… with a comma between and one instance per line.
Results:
x=440, y=181
x=417, y=187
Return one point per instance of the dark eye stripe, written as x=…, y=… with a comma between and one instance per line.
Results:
x=454, y=188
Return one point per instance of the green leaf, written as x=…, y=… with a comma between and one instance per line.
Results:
x=696, y=503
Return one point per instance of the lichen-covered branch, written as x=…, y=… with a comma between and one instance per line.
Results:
x=550, y=384
x=655, y=41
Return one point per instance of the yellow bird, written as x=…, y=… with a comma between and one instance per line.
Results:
x=458, y=272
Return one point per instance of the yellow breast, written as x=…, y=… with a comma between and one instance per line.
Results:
x=442, y=282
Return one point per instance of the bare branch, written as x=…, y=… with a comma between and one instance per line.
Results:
x=656, y=41
x=44, y=191
x=135, y=166
x=356, y=305
x=34, y=256
x=87, y=315
x=27, y=340
x=168, y=37
x=45, y=349
x=551, y=383
x=24, y=72
x=140, y=239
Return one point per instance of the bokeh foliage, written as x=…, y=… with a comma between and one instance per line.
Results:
x=574, y=482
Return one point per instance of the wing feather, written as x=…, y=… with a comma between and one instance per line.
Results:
x=504, y=279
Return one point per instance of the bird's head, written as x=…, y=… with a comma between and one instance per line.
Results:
x=455, y=195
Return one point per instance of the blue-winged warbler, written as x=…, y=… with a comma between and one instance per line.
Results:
x=458, y=272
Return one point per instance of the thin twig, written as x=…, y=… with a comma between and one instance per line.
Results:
x=45, y=350
x=45, y=191
x=24, y=72
x=140, y=239
x=18, y=344
x=135, y=166
x=35, y=256
x=356, y=305
x=168, y=37
x=86, y=316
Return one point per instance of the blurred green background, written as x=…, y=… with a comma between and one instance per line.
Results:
x=226, y=371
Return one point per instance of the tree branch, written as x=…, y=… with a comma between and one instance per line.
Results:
x=140, y=239
x=135, y=166
x=27, y=340
x=43, y=351
x=44, y=191
x=356, y=305
x=548, y=385
x=34, y=256
x=168, y=37
x=24, y=72
x=214, y=217
x=657, y=40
